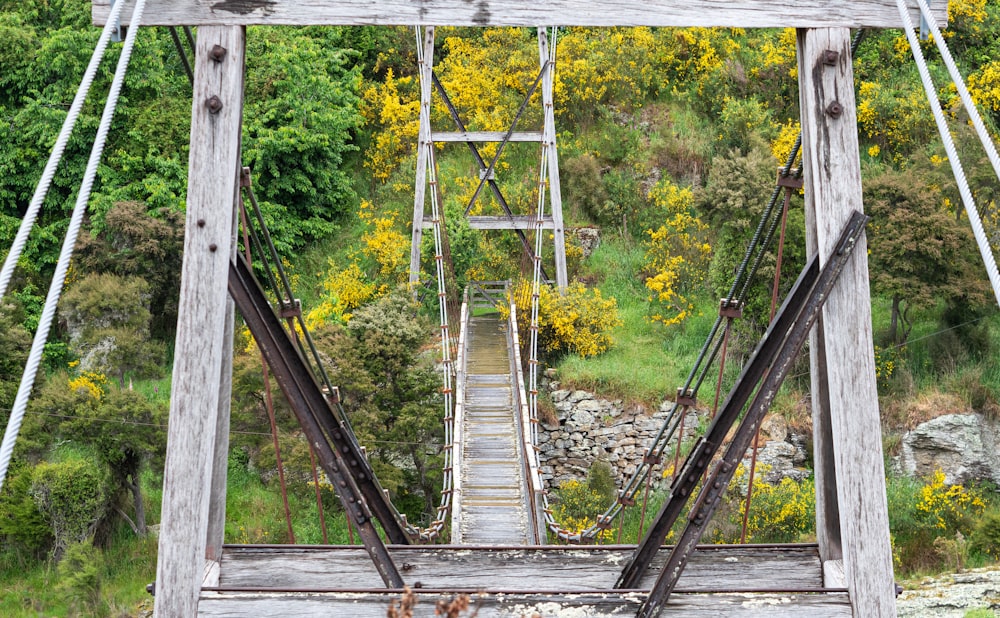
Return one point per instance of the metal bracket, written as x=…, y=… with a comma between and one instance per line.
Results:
x=686, y=397
x=118, y=31
x=730, y=308
x=925, y=30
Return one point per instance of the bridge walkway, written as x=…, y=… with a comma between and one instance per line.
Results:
x=493, y=508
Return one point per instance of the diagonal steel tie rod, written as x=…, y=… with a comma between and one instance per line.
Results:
x=349, y=472
x=482, y=166
x=768, y=365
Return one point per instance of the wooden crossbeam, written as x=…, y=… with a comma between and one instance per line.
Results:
x=725, y=13
x=486, y=136
x=501, y=222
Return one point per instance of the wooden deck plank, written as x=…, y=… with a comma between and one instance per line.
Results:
x=517, y=569
x=833, y=605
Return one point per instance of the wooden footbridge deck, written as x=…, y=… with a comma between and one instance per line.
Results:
x=508, y=581
x=493, y=509
x=496, y=563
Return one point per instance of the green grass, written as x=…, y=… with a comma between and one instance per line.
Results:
x=254, y=514
x=648, y=361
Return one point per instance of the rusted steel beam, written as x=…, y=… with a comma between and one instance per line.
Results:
x=769, y=365
x=347, y=469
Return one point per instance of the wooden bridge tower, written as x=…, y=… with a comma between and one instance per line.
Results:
x=505, y=220
x=852, y=522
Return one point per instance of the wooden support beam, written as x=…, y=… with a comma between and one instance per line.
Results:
x=552, y=152
x=848, y=406
x=425, y=70
x=725, y=13
x=501, y=222
x=487, y=136
x=213, y=182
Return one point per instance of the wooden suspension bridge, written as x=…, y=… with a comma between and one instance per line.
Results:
x=847, y=572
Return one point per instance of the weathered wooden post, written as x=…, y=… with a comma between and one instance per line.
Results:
x=197, y=431
x=852, y=519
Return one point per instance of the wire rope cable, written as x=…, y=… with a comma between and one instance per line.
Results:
x=42, y=189
x=963, y=91
x=62, y=266
x=949, y=145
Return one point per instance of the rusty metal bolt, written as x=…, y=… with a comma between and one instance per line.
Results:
x=214, y=104
x=830, y=57
x=217, y=53
x=835, y=109
x=201, y=223
x=213, y=247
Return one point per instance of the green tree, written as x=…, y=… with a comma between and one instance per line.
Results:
x=15, y=341
x=732, y=202
x=135, y=242
x=108, y=318
x=391, y=394
x=920, y=252
x=127, y=431
x=299, y=130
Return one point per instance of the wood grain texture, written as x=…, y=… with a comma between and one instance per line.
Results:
x=501, y=222
x=458, y=436
x=602, y=605
x=214, y=164
x=576, y=581
x=727, y=13
x=833, y=183
x=220, y=460
x=524, y=569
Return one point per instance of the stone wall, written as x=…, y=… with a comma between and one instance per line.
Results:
x=588, y=428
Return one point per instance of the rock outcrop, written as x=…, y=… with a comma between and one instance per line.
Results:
x=963, y=446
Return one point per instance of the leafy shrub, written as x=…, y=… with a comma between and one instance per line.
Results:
x=22, y=526
x=985, y=538
x=779, y=513
x=80, y=577
x=582, y=184
x=921, y=512
x=577, y=507
x=601, y=480
x=578, y=321
x=73, y=496
x=677, y=254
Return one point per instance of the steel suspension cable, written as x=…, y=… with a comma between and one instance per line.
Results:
x=963, y=91
x=62, y=266
x=42, y=189
x=269, y=399
x=949, y=145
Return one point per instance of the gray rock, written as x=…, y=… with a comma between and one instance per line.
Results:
x=592, y=405
x=963, y=446
x=589, y=239
x=951, y=595
x=559, y=395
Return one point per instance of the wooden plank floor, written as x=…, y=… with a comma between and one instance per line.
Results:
x=493, y=508
x=519, y=581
